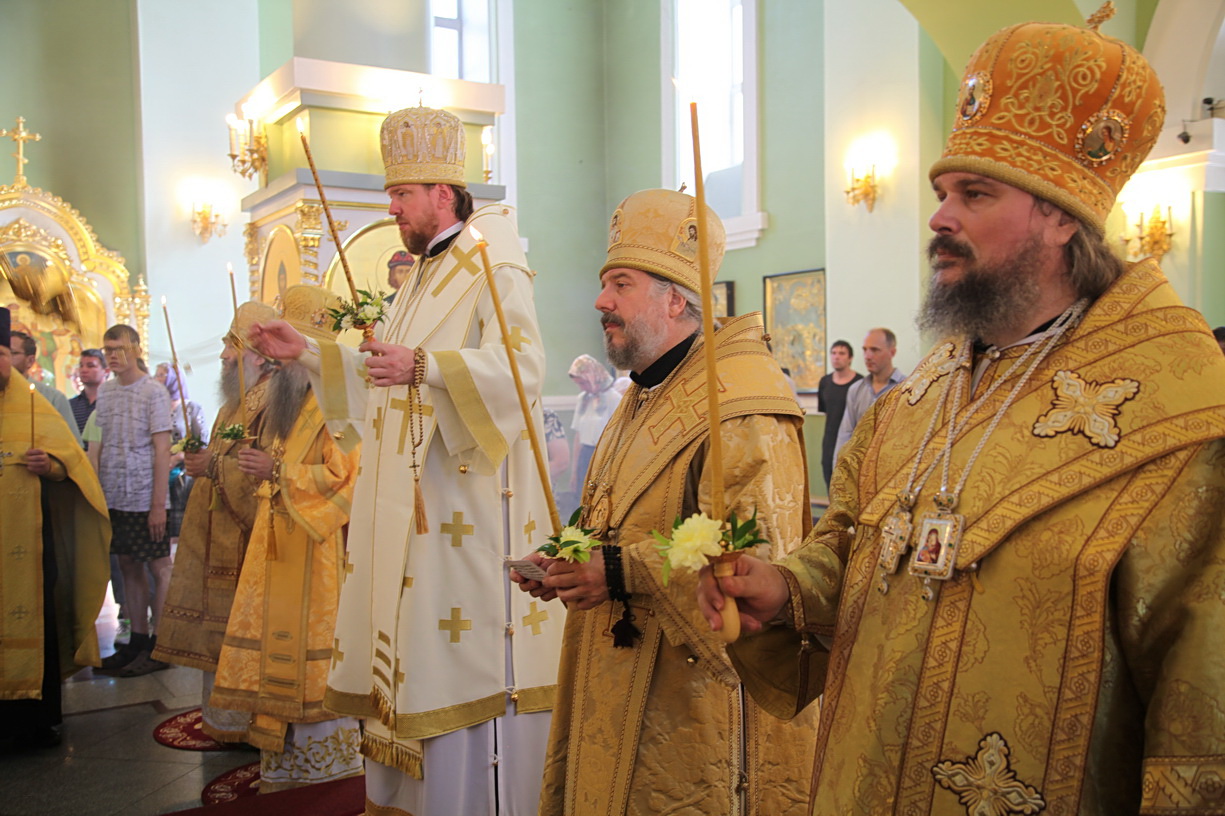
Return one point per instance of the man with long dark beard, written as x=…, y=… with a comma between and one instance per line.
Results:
x=279, y=639
x=1064, y=445
x=216, y=526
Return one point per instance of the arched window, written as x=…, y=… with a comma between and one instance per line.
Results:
x=710, y=57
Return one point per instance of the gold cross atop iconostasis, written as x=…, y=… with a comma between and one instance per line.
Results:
x=20, y=135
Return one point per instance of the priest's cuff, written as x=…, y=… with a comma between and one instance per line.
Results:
x=792, y=613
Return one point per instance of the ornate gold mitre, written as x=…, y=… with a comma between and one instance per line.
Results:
x=305, y=307
x=423, y=146
x=248, y=315
x=1065, y=113
x=657, y=231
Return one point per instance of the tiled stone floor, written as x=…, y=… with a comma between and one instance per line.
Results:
x=109, y=764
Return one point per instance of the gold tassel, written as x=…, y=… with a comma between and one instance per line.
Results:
x=383, y=708
x=423, y=524
x=271, y=554
x=392, y=754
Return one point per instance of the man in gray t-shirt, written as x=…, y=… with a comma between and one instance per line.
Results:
x=133, y=413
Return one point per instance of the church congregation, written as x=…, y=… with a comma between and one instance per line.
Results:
x=991, y=584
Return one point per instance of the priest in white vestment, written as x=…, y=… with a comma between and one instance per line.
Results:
x=453, y=673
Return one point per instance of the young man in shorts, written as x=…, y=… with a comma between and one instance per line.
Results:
x=133, y=413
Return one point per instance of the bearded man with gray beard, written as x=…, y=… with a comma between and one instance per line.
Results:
x=216, y=526
x=278, y=644
x=1022, y=563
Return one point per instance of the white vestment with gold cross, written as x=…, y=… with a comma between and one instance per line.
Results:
x=431, y=636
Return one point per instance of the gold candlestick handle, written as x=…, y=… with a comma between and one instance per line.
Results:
x=725, y=567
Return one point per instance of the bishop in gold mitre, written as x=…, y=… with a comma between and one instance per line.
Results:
x=1013, y=603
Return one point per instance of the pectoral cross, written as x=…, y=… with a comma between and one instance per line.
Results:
x=464, y=261
x=20, y=135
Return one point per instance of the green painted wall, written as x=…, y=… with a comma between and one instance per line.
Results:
x=790, y=37
x=275, y=34
x=1213, y=258
x=560, y=101
x=72, y=75
x=632, y=127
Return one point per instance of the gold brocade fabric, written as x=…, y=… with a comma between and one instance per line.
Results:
x=278, y=644
x=216, y=525
x=82, y=534
x=1070, y=665
x=660, y=727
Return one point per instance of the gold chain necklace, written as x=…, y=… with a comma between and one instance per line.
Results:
x=940, y=532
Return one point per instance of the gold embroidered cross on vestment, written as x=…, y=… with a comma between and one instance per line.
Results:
x=985, y=783
x=535, y=617
x=455, y=624
x=1086, y=407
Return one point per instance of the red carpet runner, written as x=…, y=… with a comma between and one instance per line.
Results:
x=183, y=731
x=344, y=797
x=231, y=785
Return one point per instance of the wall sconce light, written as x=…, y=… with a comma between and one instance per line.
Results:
x=206, y=222
x=487, y=151
x=863, y=189
x=248, y=146
x=1152, y=238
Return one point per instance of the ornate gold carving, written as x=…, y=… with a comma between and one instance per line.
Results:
x=250, y=246
x=22, y=230
x=309, y=229
x=985, y=784
x=937, y=364
x=1088, y=408
x=86, y=261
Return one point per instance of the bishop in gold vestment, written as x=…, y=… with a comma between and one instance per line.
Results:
x=662, y=725
x=216, y=526
x=1019, y=579
x=281, y=632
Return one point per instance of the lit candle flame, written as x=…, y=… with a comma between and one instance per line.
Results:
x=476, y=233
x=301, y=125
x=163, y=301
